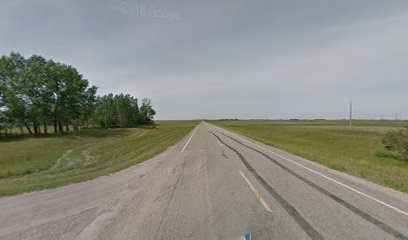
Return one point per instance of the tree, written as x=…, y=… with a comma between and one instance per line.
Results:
x=36, y=92
x=74, y=95
x=146, y=112
x=123, y=111
x=88, y=105
x=13, y=89
x=123, y=104
x=106, y=111
x=135, y=112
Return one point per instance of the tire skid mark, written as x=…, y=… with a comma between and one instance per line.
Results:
x=386, y=228
x=299, y=219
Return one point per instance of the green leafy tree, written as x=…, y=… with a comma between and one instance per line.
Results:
x=14, y=91
x=123, y=105
x=135, y=112
x=36, y=92
x=35, y=81
x=88, y=105
x=146, y=112
x=106, y=111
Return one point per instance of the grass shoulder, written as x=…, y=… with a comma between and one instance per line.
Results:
x=33, y=163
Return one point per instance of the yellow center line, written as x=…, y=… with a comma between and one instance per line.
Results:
x=267, y=208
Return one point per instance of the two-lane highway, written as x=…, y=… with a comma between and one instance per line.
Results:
x=213, y=185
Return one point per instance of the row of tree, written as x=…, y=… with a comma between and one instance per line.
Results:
x=123, y=111
x=36, y=93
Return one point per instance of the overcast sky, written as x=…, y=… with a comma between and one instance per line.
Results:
x=227, y=59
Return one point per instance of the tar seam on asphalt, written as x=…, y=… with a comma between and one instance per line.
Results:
x=307, y=228
x=339, y=200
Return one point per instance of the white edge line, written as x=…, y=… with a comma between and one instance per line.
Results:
x=320, y=174
x=182, y=150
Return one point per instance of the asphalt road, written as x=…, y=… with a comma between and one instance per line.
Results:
x=213, y=185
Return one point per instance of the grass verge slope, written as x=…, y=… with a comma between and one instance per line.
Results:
x=28, y=164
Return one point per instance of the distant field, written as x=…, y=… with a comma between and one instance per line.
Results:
x=357, y=152
x=32, y=163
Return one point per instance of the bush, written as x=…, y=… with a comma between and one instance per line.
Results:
x=397, y=141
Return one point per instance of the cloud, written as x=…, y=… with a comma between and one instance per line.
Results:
x=220, y=59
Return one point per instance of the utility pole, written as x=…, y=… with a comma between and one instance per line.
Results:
x=351, y=113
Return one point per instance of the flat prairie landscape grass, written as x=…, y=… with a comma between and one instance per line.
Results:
x=358, y=152
x=33, y=163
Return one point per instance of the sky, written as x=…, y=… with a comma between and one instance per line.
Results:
x=227, y=59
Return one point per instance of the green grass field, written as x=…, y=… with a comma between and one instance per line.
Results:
x=358, y=152
x=33, y=163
